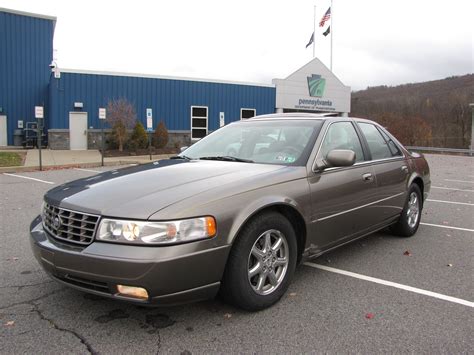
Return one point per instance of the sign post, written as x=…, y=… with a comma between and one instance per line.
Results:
x=149, y=127
x=102, y=116
x=39, y=115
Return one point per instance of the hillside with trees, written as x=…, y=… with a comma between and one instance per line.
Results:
x=433, y=113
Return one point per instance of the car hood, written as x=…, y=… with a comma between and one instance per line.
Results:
x=140, y=191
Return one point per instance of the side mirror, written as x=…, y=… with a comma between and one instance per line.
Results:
x=182, y=149
x=336, y=158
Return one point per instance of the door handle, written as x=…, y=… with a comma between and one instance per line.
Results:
x=405, y=168
x=367, y=177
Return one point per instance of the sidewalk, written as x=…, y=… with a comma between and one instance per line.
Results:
x=74, y=158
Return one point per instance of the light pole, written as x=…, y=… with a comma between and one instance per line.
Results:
x=472, y=129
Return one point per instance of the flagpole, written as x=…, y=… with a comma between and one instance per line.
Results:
x=332, y=33
x=314, y=33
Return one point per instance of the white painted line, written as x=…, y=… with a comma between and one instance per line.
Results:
x=392, y=284
x=469, y=182
x=447, y=227
x=450, y=188
x=451, y=202
x=91, y=171
x=30, y=178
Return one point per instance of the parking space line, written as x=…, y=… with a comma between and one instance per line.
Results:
x=469, y=182
x=451, y=202
x=88, y=170
x=447, y=227
x=392, y=284
x=30, y=178
x=450, y=188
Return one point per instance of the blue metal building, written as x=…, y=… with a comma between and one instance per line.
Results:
x=189, y=107
x=26, y=50
x=71, y=99
x=171, y=100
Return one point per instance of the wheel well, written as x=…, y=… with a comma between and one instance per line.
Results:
x=296, y=221
x=420, y=184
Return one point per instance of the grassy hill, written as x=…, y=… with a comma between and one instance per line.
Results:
x=432, y=113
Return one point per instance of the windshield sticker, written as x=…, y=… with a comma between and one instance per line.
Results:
x=286, y=159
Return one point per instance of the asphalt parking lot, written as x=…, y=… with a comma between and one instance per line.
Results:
x=378, y=294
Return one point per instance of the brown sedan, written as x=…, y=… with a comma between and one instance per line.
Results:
x=233, y=213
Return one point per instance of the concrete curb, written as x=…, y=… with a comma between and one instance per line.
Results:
x=18, y=169
x=126, y=160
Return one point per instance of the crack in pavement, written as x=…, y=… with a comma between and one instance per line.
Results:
x=35, y=299
x=50, y=321
x=65, y=330
x=155, y=330
x=158, y=344
x=27, y=285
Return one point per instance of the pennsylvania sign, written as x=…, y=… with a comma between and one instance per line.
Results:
x=316, y=85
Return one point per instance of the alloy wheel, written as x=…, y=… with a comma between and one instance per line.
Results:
x=268, y=262
x=413, y=211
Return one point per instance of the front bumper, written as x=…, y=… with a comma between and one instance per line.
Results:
x=171, y=275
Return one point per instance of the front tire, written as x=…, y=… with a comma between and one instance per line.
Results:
x=261, y=263
x=410, y=218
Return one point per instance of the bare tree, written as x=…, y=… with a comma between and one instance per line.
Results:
x=432, y=113
x=460, y=113
x=121, y=116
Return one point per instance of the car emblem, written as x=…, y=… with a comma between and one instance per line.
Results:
x=57, y=222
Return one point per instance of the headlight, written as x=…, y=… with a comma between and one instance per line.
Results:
x=169, y=232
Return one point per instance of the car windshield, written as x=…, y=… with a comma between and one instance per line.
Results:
x=282, y=142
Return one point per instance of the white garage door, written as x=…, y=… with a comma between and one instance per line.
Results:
x=78, y=130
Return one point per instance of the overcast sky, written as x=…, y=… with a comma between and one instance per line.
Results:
x=375, y=42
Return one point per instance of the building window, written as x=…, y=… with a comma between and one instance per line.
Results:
x=247, y=113
x=199, y=116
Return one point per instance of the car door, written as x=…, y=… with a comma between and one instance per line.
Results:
x=391, y=172
x=340, y=196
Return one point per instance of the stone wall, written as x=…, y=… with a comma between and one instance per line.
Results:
x=178, y=139
x=59, y=139
x=94, y=138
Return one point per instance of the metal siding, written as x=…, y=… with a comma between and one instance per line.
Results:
x=170, y=100
x=26, y=51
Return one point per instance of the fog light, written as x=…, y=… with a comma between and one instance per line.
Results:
x=131, y=291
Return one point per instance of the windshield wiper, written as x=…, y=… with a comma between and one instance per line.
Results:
x=227, y=158
x=180, y=157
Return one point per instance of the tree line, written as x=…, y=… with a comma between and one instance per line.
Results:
x=434, y=113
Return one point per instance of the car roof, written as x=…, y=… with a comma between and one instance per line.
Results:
x=294, y=115
x=306, y=116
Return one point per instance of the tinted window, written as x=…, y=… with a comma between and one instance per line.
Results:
x=199, y=112
x=377, y=144
x=342, y=135
x=198, y=122
x=247, y=113
x=391, y=144
x=198, y=133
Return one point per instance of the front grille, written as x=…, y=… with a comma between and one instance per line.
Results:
x=70, y=226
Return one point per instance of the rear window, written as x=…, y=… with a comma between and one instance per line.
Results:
x=391, y=144
x=377, y=145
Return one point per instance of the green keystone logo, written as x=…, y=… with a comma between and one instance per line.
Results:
x=316, y=85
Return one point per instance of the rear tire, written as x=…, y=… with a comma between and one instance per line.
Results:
x=410, y=218
x=261, y=263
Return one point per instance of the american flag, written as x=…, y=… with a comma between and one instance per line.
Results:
x=325, y=18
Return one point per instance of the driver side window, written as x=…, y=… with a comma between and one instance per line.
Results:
x=342, y=135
